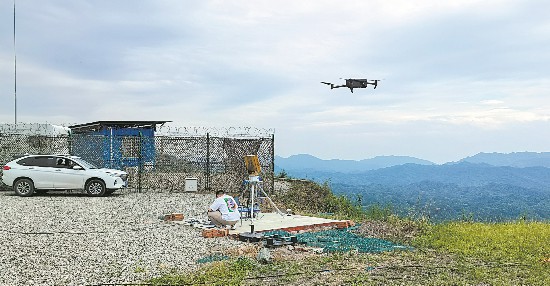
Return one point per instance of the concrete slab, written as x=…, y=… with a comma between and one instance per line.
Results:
x=290, y=223
x=274, y=221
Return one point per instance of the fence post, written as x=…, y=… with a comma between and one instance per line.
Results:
x=207, y=179
x=70, y=144
x=273, y=163
x=140, y=163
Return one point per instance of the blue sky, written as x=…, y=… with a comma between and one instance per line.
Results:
x=459, y=77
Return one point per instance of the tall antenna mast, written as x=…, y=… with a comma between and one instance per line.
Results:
x=14, y=67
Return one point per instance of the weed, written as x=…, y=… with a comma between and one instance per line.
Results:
x=139, y=269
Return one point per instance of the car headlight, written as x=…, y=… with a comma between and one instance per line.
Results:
x=122, y=176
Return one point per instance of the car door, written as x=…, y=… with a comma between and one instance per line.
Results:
x=39, y=169
x=66, y=177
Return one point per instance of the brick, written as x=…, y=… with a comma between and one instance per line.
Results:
x=223, y=232
x=341, y=224
x=209, y=233
x=177, y=216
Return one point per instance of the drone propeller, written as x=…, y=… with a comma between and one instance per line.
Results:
x=331, y=84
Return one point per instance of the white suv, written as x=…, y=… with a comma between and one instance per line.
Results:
x=41, y=173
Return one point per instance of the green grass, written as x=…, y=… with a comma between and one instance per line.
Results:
x=231, y=272
x=497, y=253
x=512, y=242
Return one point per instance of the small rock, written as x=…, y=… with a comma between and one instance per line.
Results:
x=264, y=256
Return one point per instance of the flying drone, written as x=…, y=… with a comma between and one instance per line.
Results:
x=352, y=83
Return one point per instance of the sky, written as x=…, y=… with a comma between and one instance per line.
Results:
x=457, y=77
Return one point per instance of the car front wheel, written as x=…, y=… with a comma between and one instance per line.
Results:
x=95, y=188
x=24, y=187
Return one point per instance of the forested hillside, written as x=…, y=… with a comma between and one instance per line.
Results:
x=440, y=201
x=458, y=190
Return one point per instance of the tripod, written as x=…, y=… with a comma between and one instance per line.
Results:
x=257, y=193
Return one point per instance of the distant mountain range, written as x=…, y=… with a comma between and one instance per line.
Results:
x=460, y=174
x=308, y=162
x=311, y=163
x=519, y=159
x=490, y=186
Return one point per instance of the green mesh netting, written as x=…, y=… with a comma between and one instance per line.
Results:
x=341, y=241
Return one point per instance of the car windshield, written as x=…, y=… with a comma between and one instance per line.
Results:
x=84, y=163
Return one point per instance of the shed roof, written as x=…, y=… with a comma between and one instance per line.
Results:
x=95, y=126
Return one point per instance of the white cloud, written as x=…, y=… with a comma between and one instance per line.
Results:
x=452, y=70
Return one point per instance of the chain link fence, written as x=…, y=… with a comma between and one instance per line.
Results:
x=164, y=163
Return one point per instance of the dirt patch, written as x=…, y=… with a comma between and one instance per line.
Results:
x=284, y=253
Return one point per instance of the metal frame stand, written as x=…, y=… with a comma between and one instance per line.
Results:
x=255, y=188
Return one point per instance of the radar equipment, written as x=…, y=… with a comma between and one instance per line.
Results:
x=255, y=184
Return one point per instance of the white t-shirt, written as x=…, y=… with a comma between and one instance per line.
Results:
x=227, y=206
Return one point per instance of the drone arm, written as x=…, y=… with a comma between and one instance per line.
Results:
x=337, y=86
x=328, y=83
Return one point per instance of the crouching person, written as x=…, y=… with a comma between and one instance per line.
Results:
x=224, y=211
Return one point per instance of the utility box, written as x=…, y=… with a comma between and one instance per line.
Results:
x=191, y=184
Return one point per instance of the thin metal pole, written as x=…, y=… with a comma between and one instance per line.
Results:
x=252, y=194
x=272, y=165
x=14, y=67
x=140, y=165
x=207, y=184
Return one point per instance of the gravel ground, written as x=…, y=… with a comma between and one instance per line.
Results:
x=71, y=239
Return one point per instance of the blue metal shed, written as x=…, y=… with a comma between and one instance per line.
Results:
x=115, y=144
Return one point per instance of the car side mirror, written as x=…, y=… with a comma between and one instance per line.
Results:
x=77, y=168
